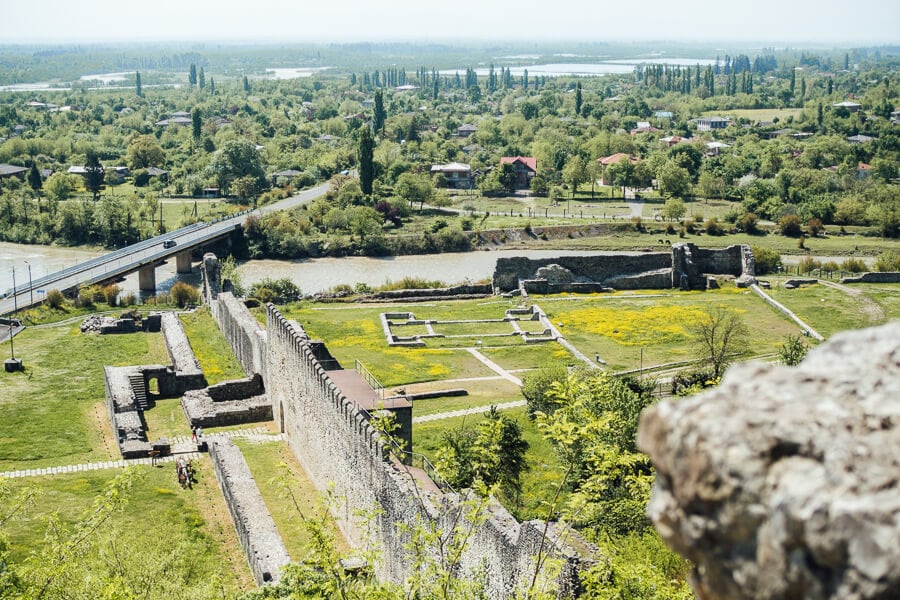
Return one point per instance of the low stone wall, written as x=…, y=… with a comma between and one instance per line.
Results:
x=256, y=530
x=457, y=290
x=179, y=347
x=888, y=277
x=338, y=447
x=228, y=403
x=783, y=482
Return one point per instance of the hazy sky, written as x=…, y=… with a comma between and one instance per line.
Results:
x=835, y=22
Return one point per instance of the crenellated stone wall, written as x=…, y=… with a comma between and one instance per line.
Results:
x=338, y=446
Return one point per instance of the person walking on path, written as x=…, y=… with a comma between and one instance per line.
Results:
x=193, y=434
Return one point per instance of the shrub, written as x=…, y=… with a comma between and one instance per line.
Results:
x=713, y=227
x=275, y=290
x=85, y=298
x=789, y=225
x=111, y=292
x=767, y=260
x=55, y=299
x=183, y=294
x=749, y=223
x=536, y=387
x=887, y=261
x=831, y=265
x=808, y=264
x=854, y=265
x=815, y=227
x=129, y=299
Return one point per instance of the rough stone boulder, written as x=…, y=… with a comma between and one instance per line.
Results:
x=555, y=274
x=785, y=482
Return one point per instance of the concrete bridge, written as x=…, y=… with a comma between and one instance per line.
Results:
x=145, y=256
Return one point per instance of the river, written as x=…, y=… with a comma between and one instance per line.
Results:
x=311, y=275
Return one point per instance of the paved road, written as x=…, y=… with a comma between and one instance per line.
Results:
x=148, y=252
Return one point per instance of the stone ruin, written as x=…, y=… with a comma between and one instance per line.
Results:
x=685, y=267
x=129, y=322
x=394, y=322
x=785, y=482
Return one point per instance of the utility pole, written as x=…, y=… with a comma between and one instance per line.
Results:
x=15, y=304
x=30, y=286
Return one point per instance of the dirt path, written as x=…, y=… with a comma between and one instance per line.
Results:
x=870, y=308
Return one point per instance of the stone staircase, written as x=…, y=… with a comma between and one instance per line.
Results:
x=140, y=390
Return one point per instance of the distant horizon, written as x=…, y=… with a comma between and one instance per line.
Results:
x=801, y=23
x=462, y=42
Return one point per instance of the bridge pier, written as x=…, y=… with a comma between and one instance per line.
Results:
x=183, y=262
x=147, y=279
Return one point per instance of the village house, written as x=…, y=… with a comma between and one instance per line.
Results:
x=711, y=123
x=458, y=175
x=12, y=171
x=525, y=168
x=466, y=130
x=850, y=106
x=613, y=159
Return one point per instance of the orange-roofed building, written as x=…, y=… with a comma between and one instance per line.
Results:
x=524, y=166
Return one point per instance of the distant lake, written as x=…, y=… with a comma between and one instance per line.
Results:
x=609, y=67
x=293, y=72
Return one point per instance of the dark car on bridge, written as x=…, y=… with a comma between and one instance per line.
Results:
x=169, y=244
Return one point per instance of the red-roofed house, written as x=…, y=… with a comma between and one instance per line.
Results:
x=525, y=167
x=612, y=160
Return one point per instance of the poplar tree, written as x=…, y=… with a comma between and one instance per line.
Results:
x=137, y=85
x=192, y=75
x=366, y=160
x=578, y=98
x=202, y=79
x=379, y=117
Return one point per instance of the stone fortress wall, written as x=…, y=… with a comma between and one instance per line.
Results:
x=338, y=446
x=686, y=266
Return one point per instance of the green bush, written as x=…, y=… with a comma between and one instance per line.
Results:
x=808, y=264
x=713, y=227
x=748, y=223
x=854, y=265
x=111, y=292
x=767, y=260
x=279, y=291
x=55, y=299
x=888, y=261
x=790, y=226
x=85, y=298
x=183, y=294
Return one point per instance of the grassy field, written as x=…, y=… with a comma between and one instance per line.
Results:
x=758, y=114
x=482, y=392
x=159, y=517
x=272, y=464
x=54, y=411
x=210, y=347
x=829, y=310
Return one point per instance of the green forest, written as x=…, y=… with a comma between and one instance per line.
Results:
x=806, y=137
